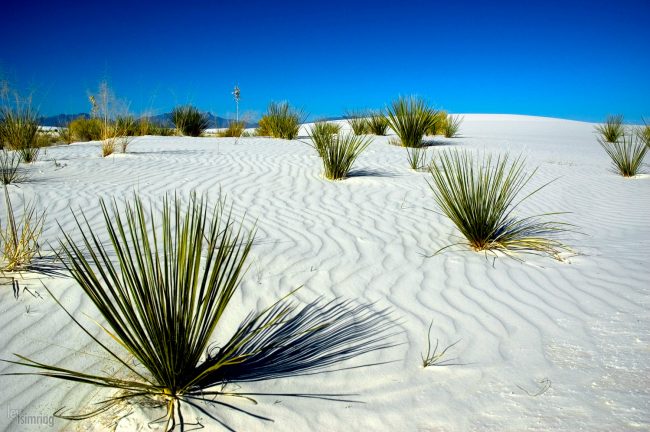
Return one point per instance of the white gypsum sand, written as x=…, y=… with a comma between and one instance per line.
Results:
x=544, y=345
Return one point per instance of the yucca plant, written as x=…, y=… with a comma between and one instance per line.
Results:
x=162, y=285
x=18, y=125
x=438, y=123
x=358, y=121
x=19, y=238
x=644, y=133
x=29, y=154
x=234, y=129
x=377, y=123
x=452, y=126
x=612, y=130
x=339, y=155
x=83, y=129
x=322, y=135
x=627, y=154
x=10, y=171
x=481, y=197
x=417, y=157
x=410, y=118
x=189, y=120
x=281, y=121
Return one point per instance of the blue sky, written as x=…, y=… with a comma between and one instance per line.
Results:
x=577, y=60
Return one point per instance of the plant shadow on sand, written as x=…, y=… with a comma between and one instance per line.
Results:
x=368, y=172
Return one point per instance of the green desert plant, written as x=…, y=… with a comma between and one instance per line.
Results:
x=18, y=125
x=19, y=239
x=189, y=120
x=162, y=285
x=339, y=154
x=612, y=130
x=377, y=123
x=358, y=121
x=417, y=157
x=234, y=129
x=65, y=134
x=281, y=121
x=644, y=133
x=626, y=154
x=452, y=126
x=29, y=154
x=322, y=135
x=85, y=129
x=438, y=124
x=410, y=118
x=481, y=196
x=435, y=357
x=10, y=171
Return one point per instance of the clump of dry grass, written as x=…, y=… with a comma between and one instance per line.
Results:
x=19, y=238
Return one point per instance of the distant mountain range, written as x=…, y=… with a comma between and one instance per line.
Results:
x=164, y=120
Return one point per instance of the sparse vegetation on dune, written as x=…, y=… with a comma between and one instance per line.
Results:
x=19, y=238
x=439, y=123
x=19, y=127
x=234, y=129
x=626, y=154
x=480, y=196
x=162, y=285
x=377, y=123
x=644, y=133
x=281, y=121
x=417, y=157
x=410, y=118
x=358, y=121
x=84, y=129
x=10, y=170
x=189, y=120
x=451, y=126
x=322, y=134
x=340, y=153
x=612, y=130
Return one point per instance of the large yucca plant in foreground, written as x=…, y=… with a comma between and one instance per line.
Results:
x=341, y=152
x=162, y=286
x=410, y=118
x=626, y=154
x=481, y=196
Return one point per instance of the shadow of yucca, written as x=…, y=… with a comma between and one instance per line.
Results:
x=162, y=285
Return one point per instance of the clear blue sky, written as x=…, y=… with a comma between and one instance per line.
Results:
x=570, y=59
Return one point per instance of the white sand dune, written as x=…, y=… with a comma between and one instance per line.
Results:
x=580, y=328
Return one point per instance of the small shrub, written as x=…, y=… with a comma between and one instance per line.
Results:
x=281, y=121
x=10, y=171
x=65, y=135
x=410, y=118
x=18, y=126
x=108, y=146
x=626, y=154
x=435, y=357
x=340, y=153
x=452, y=126
x=20, y=237
x=127, y=126
x=612, y=130
x=358, y=121
x=83, y=129
x=234, y=129
x=377, y=123
x=438, y=123
x=189, y=121
x=417, y=157
x=162, y=301
x=644, y=133
x=479, y=198
x=322, y=134
x=29, y=154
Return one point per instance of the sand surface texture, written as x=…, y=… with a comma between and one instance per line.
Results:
x=543, y=345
